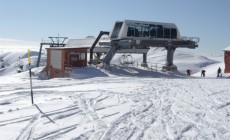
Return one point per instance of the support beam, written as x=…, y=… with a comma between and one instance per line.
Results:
x=95, y=43
x=39, y=55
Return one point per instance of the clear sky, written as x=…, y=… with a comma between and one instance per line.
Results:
x=33, y=20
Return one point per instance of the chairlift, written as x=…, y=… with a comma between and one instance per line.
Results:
x=126, y=60
x=97, y=59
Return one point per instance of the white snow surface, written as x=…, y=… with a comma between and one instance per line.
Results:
x=122, y=103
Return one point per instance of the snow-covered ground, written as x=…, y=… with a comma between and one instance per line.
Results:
x=123, y=103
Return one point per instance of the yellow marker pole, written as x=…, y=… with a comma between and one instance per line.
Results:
x=29, y=56
x=31, y=90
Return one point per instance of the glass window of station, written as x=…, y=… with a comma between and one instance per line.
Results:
x=151, y=31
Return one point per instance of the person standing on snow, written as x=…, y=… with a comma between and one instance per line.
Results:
x=203, y=73
x=219, y=72
x=20, y=64
x=188, y=72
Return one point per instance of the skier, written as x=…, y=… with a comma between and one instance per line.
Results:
x=203, y=73
x=219, y=72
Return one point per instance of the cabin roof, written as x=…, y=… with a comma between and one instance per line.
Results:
x=227, y=49
x=66, y=48
x=83, y=43
x=79, y=43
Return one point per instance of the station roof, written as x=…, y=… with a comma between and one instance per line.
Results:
x=81, y=43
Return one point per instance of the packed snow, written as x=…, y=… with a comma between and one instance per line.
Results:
x=125, y=102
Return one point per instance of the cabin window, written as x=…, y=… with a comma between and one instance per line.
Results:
x=82, y=57
x=116, y=29
x=145, y=30
x=173, y=33
x=166, y=32
x=152, y=30
x=138, y=31
x=160, y=31
x=74, y=58
x=131, y=30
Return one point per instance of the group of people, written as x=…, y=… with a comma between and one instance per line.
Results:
x=203, y=72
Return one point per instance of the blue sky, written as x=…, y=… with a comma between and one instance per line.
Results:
x=33, y=20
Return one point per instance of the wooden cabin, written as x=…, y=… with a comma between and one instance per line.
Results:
x=227, y=59
x=60, y=60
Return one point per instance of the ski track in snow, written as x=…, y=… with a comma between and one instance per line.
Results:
x=158, y=108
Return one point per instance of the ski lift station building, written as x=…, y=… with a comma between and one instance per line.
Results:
x=59, y=59
x=227, y=59
x=128, y=36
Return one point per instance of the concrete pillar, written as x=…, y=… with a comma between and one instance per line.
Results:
x=145, y=58
x=144, y=64
x=169, y=59
x=170, y=53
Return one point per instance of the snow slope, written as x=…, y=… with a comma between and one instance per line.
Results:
x=115, y=107
x=123, y=103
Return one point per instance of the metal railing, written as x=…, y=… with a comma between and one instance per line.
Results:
x=195, y=39
x=151, y=66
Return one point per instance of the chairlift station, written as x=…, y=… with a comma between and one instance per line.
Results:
x=130, y=36
x=138, y=36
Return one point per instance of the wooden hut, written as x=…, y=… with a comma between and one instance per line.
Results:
x=227, y=59
x=60, y=60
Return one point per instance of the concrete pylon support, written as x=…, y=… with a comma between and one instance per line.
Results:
x=169, y=60
x=144, y=64
x=144, y=57
x=109, y=55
